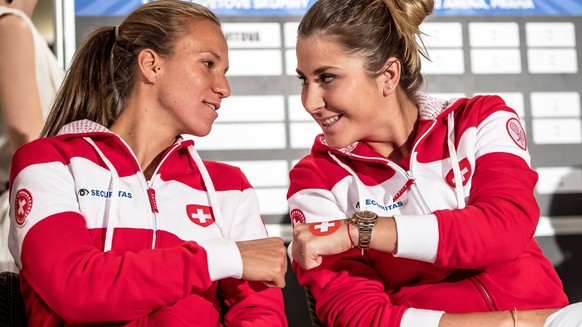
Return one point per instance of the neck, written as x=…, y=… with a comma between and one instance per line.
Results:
x=400, y=132
x=147, y=139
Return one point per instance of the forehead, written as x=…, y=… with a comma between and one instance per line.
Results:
x=317, y=50
x=202, y=36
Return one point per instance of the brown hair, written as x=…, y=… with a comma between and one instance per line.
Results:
x=376, y=29
x=102, y=73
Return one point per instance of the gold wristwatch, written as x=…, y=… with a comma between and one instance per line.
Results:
x=365, y=220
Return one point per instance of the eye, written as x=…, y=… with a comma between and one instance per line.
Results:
x=326, y=78
x=302, y=79
x=208, y=63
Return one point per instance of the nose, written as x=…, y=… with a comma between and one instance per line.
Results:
x=311, y=98
x=221, y=86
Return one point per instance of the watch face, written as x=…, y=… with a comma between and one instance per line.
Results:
x=366, y=215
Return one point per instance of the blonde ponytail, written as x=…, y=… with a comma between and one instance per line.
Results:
x=407, y=16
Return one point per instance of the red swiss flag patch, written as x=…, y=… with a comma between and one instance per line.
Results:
x=22, y=206
x=325, y=227
x=200, y=215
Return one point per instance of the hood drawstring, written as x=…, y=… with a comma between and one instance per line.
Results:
x=214, y=203
x=356, y=179
x=457, y=175
x=111, y=207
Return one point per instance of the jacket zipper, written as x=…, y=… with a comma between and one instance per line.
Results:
x=489, y=298
x=151, y=193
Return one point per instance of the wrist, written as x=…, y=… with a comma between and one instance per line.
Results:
x=352, y=233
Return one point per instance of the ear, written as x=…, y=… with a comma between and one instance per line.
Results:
x=390, y=75
x=148, y=63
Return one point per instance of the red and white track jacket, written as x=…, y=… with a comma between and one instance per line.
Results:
x=465, y=212
x=97, y=242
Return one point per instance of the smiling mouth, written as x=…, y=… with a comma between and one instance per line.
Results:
x=331, y=121
x=211, y=106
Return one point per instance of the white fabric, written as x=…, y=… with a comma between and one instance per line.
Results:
x=570, y=316
x=419, y=317
x=418, y=237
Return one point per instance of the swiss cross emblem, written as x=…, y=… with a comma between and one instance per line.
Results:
x=517, y=133
x=466, y=171
x=297, y=217
x=325, y=227
x=200, y=215
x=22, y=206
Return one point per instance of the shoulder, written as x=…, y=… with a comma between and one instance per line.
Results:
x=13, y=27
x=226, y=176
x=47, y=149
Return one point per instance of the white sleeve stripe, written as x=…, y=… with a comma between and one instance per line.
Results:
x=418, y=237
x=419, y=317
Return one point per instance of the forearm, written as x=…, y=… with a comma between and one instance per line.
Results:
x=527, y=318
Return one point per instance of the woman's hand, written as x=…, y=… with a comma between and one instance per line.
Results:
x=264, y=260
x=312, y=241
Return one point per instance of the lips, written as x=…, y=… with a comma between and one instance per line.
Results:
x=212, y=106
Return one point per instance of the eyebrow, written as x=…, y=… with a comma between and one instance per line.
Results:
x=318, y=71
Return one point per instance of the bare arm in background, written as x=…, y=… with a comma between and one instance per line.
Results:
x=19, y=97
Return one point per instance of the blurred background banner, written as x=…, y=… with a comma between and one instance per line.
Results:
x=299, y=7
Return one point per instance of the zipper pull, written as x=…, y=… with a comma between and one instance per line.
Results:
x=406, y=186
x=152, y=197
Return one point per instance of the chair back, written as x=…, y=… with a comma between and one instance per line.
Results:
x=12, y=312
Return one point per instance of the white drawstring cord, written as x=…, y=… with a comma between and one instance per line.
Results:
x=457, y=176
x=111, y=209
x=356, y=179
x=214, y=203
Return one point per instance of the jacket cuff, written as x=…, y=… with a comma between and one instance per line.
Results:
x=418, y=237
x=419, y=317
x=224, y=258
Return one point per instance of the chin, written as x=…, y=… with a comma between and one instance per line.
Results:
x=337, y=144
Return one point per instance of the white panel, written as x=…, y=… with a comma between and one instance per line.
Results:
x=252, y=35
x=255, y=63
x=303, y=134
x=557, y=131
x=290, y=30
x=552, y=61
x=252, y=108
x=243, y=136
x=444, y=61
x=550, y=35
x=273, y=201
x=442, y=35
x=514, y=100
x=296, y=110
x=290, y=62
x=495, y=61
x=559, y=180
x=494, y=35
x=555, y=104
x=264, y=173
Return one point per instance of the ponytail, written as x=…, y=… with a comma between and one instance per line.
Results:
x=88, y=89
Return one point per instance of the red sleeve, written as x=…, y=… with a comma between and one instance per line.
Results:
x=251, y=304
x=500, y=219
x=82, y=284
x=349, y=292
